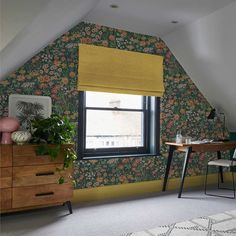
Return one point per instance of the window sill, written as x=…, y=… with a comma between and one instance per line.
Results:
x=121, y=156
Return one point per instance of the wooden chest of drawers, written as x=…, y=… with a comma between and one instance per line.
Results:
x=29, y=181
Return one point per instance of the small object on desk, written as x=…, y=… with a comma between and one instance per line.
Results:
x=179, y=137
x=202, y=141
x=216, y=141
x=188, y=140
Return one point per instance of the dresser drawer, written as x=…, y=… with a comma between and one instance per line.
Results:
x=41, y=194
x=5, y=155
x=5, y=198
x=24, y=155
x=5, y=177
x=38, y=175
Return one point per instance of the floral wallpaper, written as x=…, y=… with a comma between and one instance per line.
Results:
x=54, y=71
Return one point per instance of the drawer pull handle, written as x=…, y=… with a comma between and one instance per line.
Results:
x=45, y=173
x=43, y=194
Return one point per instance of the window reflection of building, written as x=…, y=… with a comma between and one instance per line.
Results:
x=97, y=141
x=114, y=103
x=121, y=129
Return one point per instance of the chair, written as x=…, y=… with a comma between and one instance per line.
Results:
x=222, y=163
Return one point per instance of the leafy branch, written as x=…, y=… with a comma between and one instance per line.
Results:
x=55, y=130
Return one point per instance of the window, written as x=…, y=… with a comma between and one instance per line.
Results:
x=113, y=124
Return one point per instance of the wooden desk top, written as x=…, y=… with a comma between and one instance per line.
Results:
x=205, y=147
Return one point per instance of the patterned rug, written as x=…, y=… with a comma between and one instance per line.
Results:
x=223, y=224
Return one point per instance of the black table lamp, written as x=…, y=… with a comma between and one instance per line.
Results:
x=212, y=116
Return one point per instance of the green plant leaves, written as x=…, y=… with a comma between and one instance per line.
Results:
x=61, y=180
x=46, y=150
x=69, y=158
x=55, y=130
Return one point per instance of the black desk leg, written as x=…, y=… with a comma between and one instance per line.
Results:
x=220, y=168
x=170, y=156
x=187, y=155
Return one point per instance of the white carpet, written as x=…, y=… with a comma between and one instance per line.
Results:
x=223, y=224
x=117, y=217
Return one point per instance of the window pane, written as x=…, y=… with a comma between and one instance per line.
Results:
x=109, y=129
x=97, y=99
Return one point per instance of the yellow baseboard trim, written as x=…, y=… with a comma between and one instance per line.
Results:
x=140, y=188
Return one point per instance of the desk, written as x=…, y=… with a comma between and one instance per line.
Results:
x=190, y=148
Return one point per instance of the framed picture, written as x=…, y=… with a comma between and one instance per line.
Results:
x=28, y=107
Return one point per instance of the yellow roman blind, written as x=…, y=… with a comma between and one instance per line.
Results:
x=112, y=70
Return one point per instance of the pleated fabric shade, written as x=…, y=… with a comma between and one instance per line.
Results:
x=112, y=70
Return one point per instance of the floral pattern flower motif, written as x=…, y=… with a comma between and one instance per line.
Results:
x=54, y=71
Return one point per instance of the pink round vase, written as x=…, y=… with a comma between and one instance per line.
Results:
x=7, y=126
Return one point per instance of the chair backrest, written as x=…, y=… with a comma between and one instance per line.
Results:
x=234, y=155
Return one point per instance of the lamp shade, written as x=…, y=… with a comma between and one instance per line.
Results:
x=212, y=114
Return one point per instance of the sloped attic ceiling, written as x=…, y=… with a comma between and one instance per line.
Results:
x=54, y=18
x=207, y=51
x=38, y=22
x=15, y=15
x=151, y=17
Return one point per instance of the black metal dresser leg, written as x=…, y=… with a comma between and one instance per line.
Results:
x=68, y=203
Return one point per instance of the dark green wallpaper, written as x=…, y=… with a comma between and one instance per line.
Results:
x=233, y=135
x=54, y=71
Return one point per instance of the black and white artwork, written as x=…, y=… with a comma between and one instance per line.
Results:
x=28, y=107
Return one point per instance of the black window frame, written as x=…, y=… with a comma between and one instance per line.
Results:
x=151, y=111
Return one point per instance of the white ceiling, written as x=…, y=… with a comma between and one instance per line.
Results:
x=54, y=19
x=15, y=15
x=206, y=49
x=22, y=20
x=152, y=17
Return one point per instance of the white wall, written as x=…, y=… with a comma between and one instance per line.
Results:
x=15, y=15
x=207, y=51
x=58, y=17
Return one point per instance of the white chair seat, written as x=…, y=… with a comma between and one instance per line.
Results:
x=222, y=162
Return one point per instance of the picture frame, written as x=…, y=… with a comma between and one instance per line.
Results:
x=28, y=107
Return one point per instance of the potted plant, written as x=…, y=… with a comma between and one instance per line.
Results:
x=51, y=134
